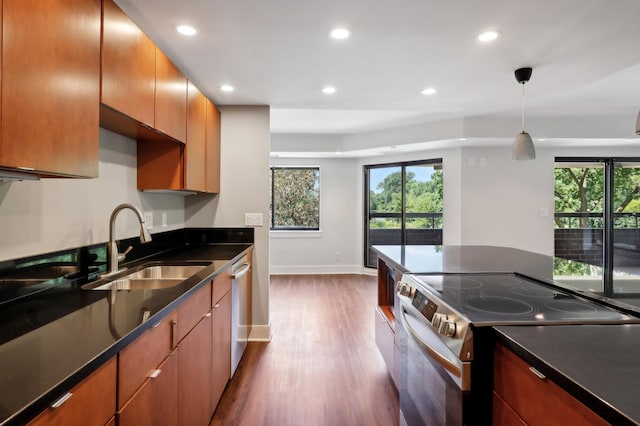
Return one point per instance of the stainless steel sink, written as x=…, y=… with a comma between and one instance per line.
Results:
x=140, y=284
x=153, y=277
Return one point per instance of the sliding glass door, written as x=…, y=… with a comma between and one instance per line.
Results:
x=597, y=207
x=626, y=233
x=403, y=205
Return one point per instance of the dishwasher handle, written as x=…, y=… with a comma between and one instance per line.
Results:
x=244, y=268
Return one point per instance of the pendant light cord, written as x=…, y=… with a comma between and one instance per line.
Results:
x=523, y=107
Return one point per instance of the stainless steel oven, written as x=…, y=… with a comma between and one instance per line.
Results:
x=446, y=344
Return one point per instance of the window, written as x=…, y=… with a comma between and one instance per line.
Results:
x=597, y=222
x=403, y=205
x=295, y=198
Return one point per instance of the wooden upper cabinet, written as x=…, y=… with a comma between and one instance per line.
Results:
x=212, y=173
x=195, y=151
x=51, y=86
x=171, y=98
x=128, y=66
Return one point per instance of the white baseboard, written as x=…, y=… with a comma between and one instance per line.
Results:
x=316, y=269
x=260, y=333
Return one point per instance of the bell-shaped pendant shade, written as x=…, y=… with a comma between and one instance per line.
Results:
x=523, y=148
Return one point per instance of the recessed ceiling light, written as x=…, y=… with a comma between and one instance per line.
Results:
x=462, y=139
x=338, y=153
x=226, y=88
x=541, y=139
x=340, y=33
x=187, y=30
x=488, y=36
x=429, y=91
x=329, y=90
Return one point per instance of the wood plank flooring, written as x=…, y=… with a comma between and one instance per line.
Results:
x=322, y=366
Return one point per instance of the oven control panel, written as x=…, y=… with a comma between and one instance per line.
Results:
x=454, y=329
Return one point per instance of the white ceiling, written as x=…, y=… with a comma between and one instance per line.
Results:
x=585, y=56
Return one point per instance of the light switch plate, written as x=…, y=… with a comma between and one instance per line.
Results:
x=253, y=219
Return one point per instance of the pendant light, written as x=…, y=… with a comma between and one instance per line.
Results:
x=523, y=148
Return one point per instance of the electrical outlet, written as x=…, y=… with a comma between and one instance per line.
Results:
x=338, y=256
x=164, y=219
x=148, y=220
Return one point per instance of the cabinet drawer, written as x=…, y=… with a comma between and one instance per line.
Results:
x=91, y=402
x=221, y=285
x=384, y=337
x=538, y=401
x=192, y=311
x=503, y=414
x=140, y=358
x=156, y=402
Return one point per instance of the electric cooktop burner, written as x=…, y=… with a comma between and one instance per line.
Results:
x=502, y=298
x=499, y=305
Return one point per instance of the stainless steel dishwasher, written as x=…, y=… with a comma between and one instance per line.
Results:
x=239, y=310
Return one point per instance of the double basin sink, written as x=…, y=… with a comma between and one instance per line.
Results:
x=154, y=276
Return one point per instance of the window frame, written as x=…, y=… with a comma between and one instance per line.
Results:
x=293, y=229
x=403, y=214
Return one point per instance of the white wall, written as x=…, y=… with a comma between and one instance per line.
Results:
x=501, y=199
x=310, y=252
x=56, y=214
x=244, y=188
x=489, y=199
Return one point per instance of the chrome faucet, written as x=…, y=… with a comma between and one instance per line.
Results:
x=112, y=248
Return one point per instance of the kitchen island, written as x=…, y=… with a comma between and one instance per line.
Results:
x=53, y=340
x=584, y=361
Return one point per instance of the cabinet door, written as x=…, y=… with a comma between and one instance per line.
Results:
x=195, y=150
x=194, y=376
x=128, y=66
x=156, y=402
x=537, y=401
x=140, y=358
x=51, y=85
x=192, y=311
x=220, y=348
x=91, y=402
x=171, y=98
x=212, y=173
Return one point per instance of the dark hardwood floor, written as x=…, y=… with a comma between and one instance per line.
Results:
x=322, y=366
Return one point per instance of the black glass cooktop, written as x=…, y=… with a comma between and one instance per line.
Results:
x=490, y=299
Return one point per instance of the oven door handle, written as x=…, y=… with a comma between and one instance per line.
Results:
x=433, y=353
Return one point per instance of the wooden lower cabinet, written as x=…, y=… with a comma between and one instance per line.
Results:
x=531, y=399
x=194, y=375
x=156, y=402
x=90, y=403
x=140, y=358
x=220, y=348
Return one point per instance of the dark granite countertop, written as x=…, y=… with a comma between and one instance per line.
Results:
x=54, y=339
x=598, y=364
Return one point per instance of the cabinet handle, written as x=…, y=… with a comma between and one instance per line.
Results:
x=538, y=374
x=155, y=373
x=174, y=333
x=61, y=400
x=216, y=306
x=207, y=315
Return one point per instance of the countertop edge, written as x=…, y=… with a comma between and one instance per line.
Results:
x=32, y=410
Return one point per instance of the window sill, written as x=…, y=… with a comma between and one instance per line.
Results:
x=295, y=234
